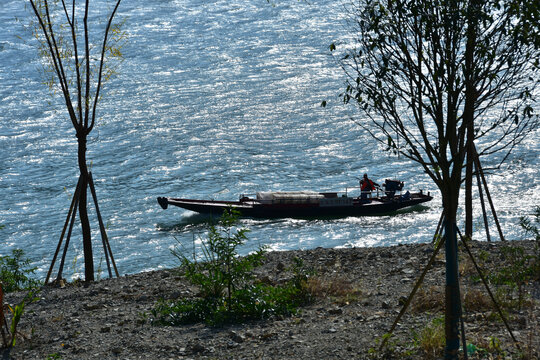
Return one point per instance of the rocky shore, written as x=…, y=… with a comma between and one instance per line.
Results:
x=359, y=292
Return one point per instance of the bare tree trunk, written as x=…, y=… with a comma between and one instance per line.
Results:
x=83, y=212
x=453, y=300
x=468, y=113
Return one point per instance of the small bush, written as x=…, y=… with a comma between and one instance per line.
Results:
x=255, y=302
x=519, y=269
x=431, y=339
x=487, y=348
x=14, y=276
x=228, y=290
x=531, y=227
x=15, y=272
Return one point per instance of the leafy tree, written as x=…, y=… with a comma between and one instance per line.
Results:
x=77, y=66
x=432, y=78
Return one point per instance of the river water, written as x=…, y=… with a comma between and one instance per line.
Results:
x=214, y=99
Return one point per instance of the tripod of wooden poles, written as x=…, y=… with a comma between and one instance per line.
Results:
x=70, y=220
x=439, y=240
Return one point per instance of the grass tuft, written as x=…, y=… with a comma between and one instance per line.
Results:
x=428, y=300
x=341, y=290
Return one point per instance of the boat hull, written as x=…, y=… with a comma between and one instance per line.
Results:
x=255, y=209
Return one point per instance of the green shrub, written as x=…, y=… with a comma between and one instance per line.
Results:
x=531, y=227
x=519, y=269
x=254, y=302
x=431, y=339
x=15, y=312
x=15, y=272
x=228, y=290
x=14, y=276
x=54, y=356
x=516, y=269
x=222, y=271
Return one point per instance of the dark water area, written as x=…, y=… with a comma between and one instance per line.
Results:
x=213, y=100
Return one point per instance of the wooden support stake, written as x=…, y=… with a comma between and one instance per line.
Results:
x=437, y=232
x=484, y=213
x=489, y=292
x=104, y=233
x=481, y=171
x=73, y=216
x=463, y=338
x=75, y=195
x=415, y=289
x=101, y=226
x=112, y=257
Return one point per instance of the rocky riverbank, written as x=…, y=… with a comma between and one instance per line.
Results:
x=359, y=292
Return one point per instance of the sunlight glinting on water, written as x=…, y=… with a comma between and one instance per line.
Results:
x=213, y=100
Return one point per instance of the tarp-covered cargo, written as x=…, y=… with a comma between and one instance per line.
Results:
x=293, y=197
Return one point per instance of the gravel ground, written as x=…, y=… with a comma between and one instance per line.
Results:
x=360, y=292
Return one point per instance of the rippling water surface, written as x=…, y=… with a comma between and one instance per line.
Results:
x=213, y=100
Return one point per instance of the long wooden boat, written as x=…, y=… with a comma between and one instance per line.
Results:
x=307, y=204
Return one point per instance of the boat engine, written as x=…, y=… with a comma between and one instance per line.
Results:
x=391, y=186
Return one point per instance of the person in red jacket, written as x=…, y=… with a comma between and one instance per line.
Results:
x=366, y=185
